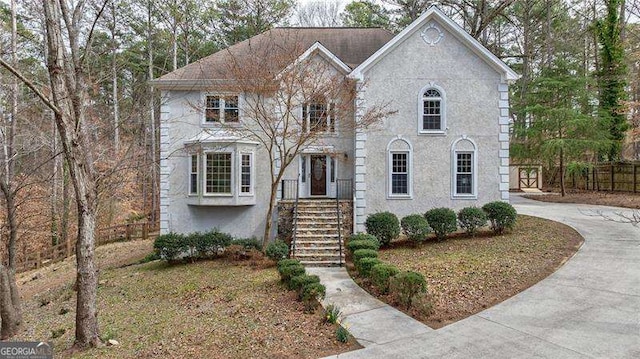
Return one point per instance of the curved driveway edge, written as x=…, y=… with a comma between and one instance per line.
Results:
x=589, y=308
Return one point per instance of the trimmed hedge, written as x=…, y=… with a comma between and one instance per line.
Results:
x=443, y=221
x=471, y=219
x=312, y=293
x=365, y=264
x=363, y=253
x=298, y=282
x=407, y=285
x=381, y=274
x=384, y=226
x=170, y=246
x=248, y=243
x=502, y=215
x=415, y=227
x=290, y=271
x=277, y=250
x=174, y=246
x=354, y=245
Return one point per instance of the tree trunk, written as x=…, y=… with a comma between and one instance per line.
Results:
x=114, y=78
x=272, y=203
x=9, y=312
x=562, y=184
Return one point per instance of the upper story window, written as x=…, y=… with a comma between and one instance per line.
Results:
x=221, y=109
x=319, y=116
x=432, y=110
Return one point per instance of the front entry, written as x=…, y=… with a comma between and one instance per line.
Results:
x=318, y=175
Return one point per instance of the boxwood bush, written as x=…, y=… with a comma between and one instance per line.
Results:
x=287, y=262
x=471, y=219
x=362, y=241
x=312, y=293
x=502, y=215
x=298, y=282
x=248, y=243
x=210, y=243
x=365, y=264
x=363, y=253
x=407, y=285
x=442, y=221
x=277, y=250
x=170, y=246
x=415, y=227
x=384, y=226
x=289, y=271
x=381, y=274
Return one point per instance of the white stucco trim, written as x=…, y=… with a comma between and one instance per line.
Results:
x=503, y=139
x=221, y=120
x=318, y=48
x=390, y=151
x=474, y=168
x=165, y=145
x=359, y=163
x=443, y=110
x=433, y=13
x=252, y=174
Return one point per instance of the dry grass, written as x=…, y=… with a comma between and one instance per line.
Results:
x=615, y=199
x=212, y=309
x=466, y=275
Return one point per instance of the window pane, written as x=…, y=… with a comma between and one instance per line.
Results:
x=218, y=172
x=303, y=166
x=231, y=109
x=318, y=116
x=431, y=119
x=212, y=109
x=464, y=173
x=432, y=93
x=399, y=173
x=333, y=169
x=245, y=173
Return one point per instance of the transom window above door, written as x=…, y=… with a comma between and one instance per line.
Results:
x=221, y=109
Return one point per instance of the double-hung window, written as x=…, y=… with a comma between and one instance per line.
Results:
x=193, y=174
x=319, y=117
x=464, y=168
x=246, y=178
x=464, y=173
x=431, y=117
x=218, y=173
x=399, y=181
x=221, y=109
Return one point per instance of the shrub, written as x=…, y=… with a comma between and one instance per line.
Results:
x=407, y=285
x=381, y=274
x=290, y=271
x=342, y=335
x=298, y=282
x=471, y=219
x=170, y=246
x=363, y=253
x=502, y=215
x=277, y=250
x=210, y=243
x=311, y=294
x=287, y=262
x=365, y=264
x=415, y=227
x=384, y=225
x=442, y=221
x=332, y=314
x=248, y=243
x=362, y=241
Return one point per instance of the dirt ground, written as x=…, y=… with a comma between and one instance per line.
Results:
x=210, y=309
x=616, y=199
x=467, y=275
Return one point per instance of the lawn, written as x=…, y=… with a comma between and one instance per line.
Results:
x=210, y=309
x=466, y=275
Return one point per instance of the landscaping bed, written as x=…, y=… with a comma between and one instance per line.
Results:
x=465, y=275
x=615, y=199
x=221, y=308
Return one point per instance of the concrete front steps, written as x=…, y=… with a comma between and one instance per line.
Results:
x=317, y=237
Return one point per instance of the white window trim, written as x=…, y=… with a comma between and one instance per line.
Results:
x=251, y=175
x=204, y=175
x=390, y=153
x=203, y=101
x=330, y=107
x=197, y=173
x=443, y=111
x=474, y=169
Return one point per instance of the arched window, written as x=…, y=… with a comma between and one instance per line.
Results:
x=399, y=169
x=464, y=163
x=431, y=114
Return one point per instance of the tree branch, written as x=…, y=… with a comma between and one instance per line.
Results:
x=47, y=101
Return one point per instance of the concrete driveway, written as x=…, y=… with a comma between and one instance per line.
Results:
x=589, y=308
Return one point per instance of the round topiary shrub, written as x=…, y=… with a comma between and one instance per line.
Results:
x=442, y=221
x=415, y=227
x=290, y=271
x=312, y=293
x=471, y=219
x=381, y=274
x=407, y=285
x=384, y=225
x=298, y=282
x=502, y=215
x=287, y=262
x=277, y=250
x=365, y=264
x=363, y=253
x=362, y=241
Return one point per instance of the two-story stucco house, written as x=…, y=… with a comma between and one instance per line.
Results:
x=444, y=144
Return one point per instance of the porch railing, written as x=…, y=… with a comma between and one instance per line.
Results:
x=344, y=189
x=289, y=189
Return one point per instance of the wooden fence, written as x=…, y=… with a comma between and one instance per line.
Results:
x=618, y=177
x=57, y=253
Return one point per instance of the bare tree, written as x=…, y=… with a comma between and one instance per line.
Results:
x=318, y=14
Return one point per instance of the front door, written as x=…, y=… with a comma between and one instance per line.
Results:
x=318, y=175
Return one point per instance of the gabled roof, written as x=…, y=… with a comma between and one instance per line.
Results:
x=351, y=46
x=433, y=13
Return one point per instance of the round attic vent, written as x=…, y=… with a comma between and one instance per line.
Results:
x=431, y=34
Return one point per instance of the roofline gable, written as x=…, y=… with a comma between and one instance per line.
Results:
x=317, y=47
x=434, y=13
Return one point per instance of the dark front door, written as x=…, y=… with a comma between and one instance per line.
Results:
x=318, y=175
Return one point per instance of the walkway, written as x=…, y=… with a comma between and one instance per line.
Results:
x=589, y=308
